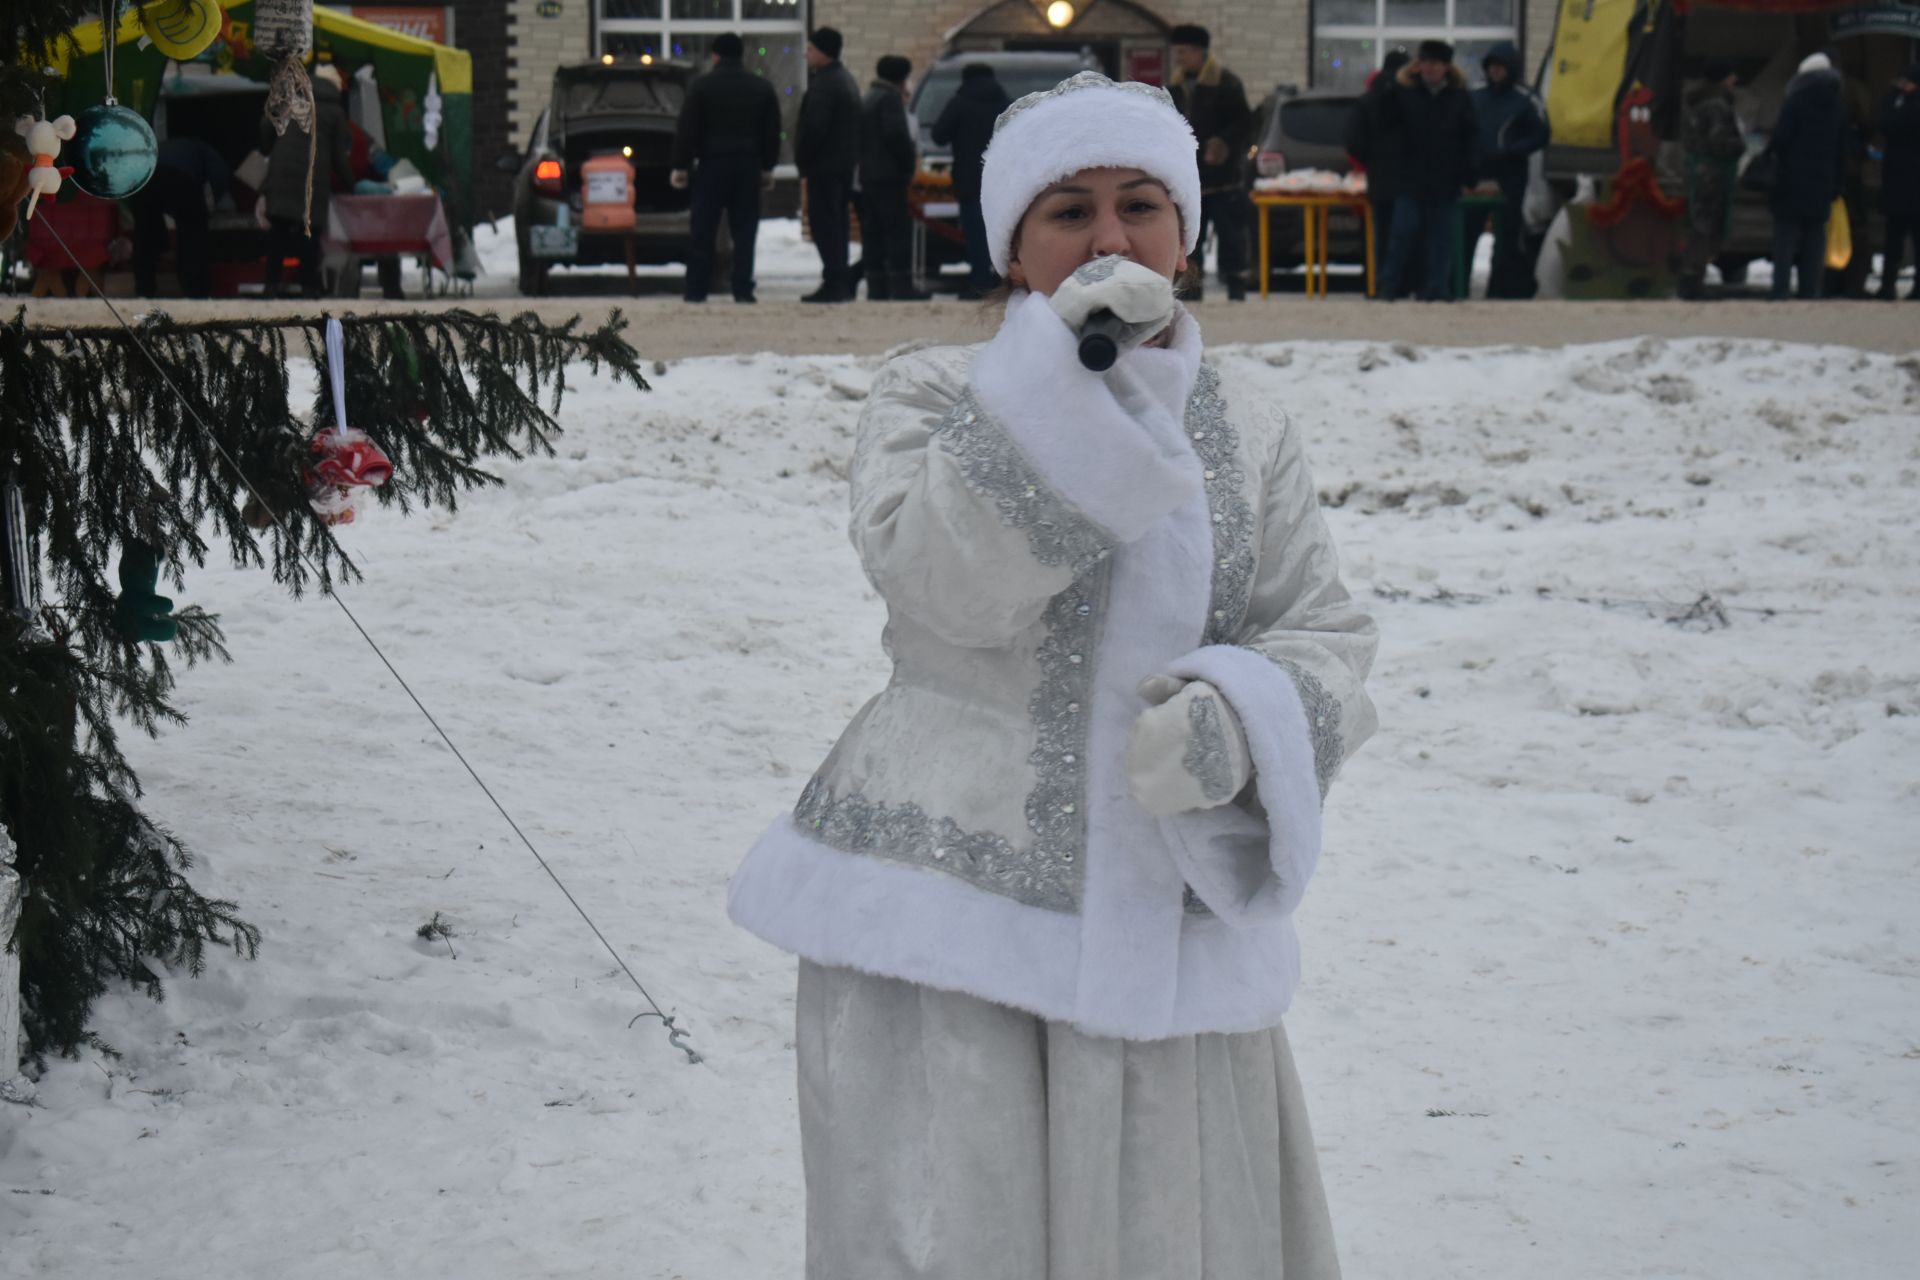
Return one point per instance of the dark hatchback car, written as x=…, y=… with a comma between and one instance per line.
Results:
x=1305, y=131
x=598, y=110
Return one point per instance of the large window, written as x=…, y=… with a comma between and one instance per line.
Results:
x=775, y=32
x=1350, y=37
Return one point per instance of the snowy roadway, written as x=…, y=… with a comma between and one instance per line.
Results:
x=1611, y=964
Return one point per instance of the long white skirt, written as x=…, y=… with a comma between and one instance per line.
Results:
x=951, y=1138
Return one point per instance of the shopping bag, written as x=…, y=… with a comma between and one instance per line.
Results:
x=1839, y=237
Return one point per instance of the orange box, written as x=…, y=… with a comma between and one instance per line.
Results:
x=607, y=192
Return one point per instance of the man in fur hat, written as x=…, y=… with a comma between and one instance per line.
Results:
x=1215, y=104
x=1439, y=140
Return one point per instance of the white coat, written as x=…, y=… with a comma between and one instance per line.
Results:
x=1045, y=537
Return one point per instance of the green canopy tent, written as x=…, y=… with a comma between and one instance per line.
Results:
x=411, y=73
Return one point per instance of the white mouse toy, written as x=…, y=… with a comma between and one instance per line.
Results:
x=43, y=139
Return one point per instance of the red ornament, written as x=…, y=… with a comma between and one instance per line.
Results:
x=344, y=465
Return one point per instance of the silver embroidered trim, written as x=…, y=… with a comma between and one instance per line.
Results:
x=1206, y=756
x=1323, y=719
x=1218, y=445
x=995, y=468
x=1051, y=872
x=1076, y=82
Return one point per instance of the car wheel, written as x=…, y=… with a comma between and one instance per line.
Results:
x=533, y=277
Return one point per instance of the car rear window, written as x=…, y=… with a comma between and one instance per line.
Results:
x=943, y=80
x=1319, y=121
x=622, y=94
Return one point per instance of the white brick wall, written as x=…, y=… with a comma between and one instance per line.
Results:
x=540, y=46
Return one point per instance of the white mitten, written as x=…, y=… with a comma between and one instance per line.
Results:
x=1140, y=296
x=1187, y=750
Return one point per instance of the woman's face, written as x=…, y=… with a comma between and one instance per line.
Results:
x=1093, y=214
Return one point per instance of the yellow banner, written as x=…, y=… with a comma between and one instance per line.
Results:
x=1589, y=58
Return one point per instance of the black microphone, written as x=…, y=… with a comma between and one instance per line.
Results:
x=1100, y=340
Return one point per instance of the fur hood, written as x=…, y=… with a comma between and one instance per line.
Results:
x=1408, y=78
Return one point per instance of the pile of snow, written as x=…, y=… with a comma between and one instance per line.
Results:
x=1609, y=966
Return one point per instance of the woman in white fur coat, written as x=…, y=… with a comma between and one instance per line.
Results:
x=1042, y=890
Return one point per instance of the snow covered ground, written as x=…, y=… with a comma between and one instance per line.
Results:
x=1611, y=967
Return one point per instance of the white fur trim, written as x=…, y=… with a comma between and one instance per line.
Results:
x=1095, y=125
x=878, y=917
x=1816, y=62
x=1220, y=850
x=1122, y=470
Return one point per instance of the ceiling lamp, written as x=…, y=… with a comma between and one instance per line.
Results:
x=1059, y=14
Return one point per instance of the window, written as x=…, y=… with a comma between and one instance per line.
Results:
x=775, y=32
x=1351, y=37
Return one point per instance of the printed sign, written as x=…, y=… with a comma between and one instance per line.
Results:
x=605, y=187
x=1880, y=18
x=548, y=8
x=423, y=22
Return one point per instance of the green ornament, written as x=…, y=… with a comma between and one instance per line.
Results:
x=139, y=614
x=113, y=150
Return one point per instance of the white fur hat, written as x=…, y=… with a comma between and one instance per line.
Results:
x=1085, y=122
x=1816, y=62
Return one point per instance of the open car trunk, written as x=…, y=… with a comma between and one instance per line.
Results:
x=652, y=158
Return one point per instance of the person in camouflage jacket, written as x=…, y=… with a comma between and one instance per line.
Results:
x=1714, y=143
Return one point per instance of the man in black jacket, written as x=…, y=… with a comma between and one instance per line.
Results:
x=1513, y=126
x=966, y=125
x=1433, y=114
x=827, y=149
x=730, y=137
x=1215, y=103
x=1899, y=125
x=1809, y=143
x=1373, y=139
x=887, y=162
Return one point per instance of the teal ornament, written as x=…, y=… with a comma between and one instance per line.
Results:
x=113, y=151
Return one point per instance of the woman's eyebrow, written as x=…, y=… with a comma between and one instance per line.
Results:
x=1143, y=182
x=1070, y=191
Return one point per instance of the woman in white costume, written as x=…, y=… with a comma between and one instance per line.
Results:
x=1043, y=888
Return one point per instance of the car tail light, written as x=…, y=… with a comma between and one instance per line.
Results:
x=546, y=177
x=1270, y=164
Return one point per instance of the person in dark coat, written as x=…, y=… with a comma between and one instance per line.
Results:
x=1432, y=113
x=1809, y=144
x=827, y=151
x=1215, y=103
x=888, y=160
x=1373, y=140
x=1513, y=126
x=729, y=136
x=966, y=125
x=186, y=172
x=286, y=190
x=1899, y=126
x=1710, y=135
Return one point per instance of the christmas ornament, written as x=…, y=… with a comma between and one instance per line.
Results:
x=283, y=32
x=182, y=29
x=114, y=151
x=43, y=140
x=139, y=614
x=343, y=463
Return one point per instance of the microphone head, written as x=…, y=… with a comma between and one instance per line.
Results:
x=1098, y=351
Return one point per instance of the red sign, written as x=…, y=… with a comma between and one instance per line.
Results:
x=424, y=22
x=1148, y=65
